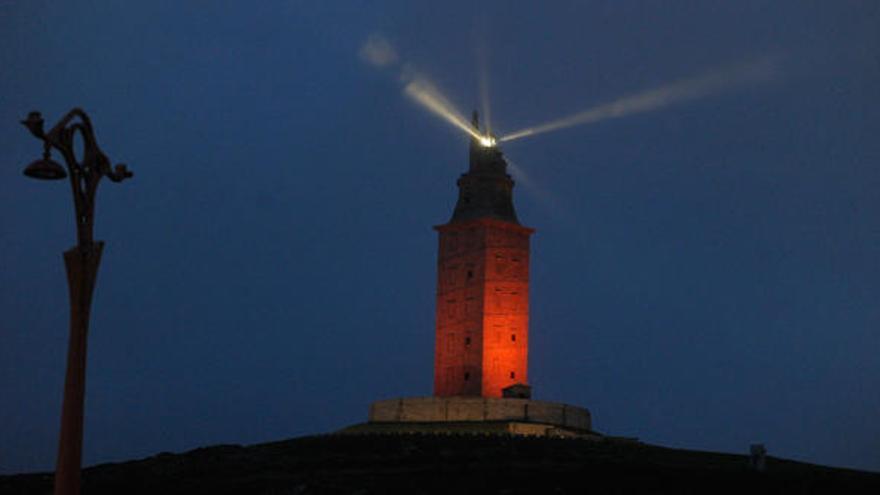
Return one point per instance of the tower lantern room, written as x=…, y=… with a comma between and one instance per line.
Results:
x=482, y=284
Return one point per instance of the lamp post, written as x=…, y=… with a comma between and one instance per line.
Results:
x=81, y=262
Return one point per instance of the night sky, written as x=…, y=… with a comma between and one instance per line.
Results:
x=704, y=275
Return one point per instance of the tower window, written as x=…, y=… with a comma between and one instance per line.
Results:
x=467, y=341
x=512, y=375
x=470, y=274
x=513, y=337
x=467, y=376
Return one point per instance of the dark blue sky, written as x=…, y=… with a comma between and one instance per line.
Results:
x=704, y=275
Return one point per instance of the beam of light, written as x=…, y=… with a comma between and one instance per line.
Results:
x=542, y=196
x=425, y=94
x=483, y=62
x=378, y=51
x=713, y=81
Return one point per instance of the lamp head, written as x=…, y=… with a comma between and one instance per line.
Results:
x=45, y=169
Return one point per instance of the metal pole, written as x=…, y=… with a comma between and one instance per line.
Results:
x=81, y=263
x=82, y=270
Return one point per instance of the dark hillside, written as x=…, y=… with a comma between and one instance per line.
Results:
x=450, y=464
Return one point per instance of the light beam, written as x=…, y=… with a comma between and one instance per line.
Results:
x=713, y=81
x=427, y=95
x=483, y=64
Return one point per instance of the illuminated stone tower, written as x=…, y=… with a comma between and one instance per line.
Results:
x=482, y=332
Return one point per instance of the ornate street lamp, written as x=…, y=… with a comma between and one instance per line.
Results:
x=81, y=262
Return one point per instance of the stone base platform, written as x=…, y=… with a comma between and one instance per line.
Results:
x=478, y=415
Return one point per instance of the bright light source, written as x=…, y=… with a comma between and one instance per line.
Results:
x=487, y=141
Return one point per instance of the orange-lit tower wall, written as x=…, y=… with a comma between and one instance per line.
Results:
x=482, y=331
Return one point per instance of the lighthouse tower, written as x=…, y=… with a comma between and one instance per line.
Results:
x=482, y=328
x=482, y=325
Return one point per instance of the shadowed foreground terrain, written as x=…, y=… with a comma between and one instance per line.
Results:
x=450, y=464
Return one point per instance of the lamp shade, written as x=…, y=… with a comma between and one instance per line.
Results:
x=45, y=169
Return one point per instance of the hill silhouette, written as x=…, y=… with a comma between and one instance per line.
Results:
x=427, y=464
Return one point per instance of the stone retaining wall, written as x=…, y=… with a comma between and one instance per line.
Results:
x=442, y=409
